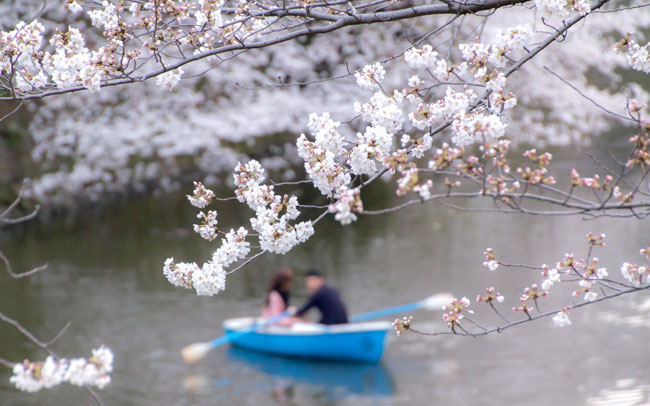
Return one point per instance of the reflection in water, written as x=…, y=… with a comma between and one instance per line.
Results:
x=627, y=392
x=337, y=379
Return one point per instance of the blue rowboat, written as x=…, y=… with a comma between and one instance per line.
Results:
x=362, y=342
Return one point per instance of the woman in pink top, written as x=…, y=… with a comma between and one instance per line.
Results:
x=277, y=298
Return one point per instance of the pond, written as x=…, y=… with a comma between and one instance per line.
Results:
x=105, y=276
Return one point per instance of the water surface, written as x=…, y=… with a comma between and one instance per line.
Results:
x=105, y=277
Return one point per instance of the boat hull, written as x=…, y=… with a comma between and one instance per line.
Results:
x=360, y=342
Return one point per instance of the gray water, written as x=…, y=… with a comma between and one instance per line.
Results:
x=105, y=276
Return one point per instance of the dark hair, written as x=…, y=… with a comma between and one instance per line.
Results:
x=279, y=283
x=314, y=272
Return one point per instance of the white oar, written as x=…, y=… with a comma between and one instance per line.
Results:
x=433, y=302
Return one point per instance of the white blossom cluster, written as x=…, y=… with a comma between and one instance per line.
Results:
x=480, y=124
x=553, y=276
x=382, y=111
x=179, y=274
x=210, y=278
x=373, y=145
x=427, y=58
x=201, y=196
x=94, y=371
x=169, y=79
x=638, y=57
x=371, y=76
x=563, y=8
x=18, y=47
x=208, y=228
x=273, y=213
x=72, y=64
x=320, y=156
x=209, y=14
x=347, y=201
x=475, y=127
x=493, y=265
x=585, y=287
x=634, y=273
x=272, y=222
x=509, y=40
x=329, y=164
x=561, y=319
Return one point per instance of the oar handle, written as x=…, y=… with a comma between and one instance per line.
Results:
x=229, y=337
x=386, y=312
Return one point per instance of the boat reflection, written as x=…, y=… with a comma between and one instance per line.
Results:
x=338, y=379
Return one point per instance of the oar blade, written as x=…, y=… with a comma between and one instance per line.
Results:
x=195, y=352
x=435, y=302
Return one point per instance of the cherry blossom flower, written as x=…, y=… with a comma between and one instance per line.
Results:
x=552, y=276
x=325, y=132
x=207, y=229
x=561, y=319
x=34, y=376
x=233, y=248
x=180, y=274
x=491, y=295
x=638, y=57
x=74, y=6
x=401, y=325
x=209, y=279
x=563, y=7
x=94, y=371
x=169, y=79
x=424, y=57
x=513, y=38
x=491, y=263
x=371, y=146
x=370, y=76
x=201, y=196
x=347, y=201
x=424, y=189
x=454, y=311
x=382, y=111
x=321, y=166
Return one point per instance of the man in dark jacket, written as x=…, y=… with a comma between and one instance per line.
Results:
x=325, y=298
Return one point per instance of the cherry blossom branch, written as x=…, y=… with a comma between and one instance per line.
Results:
x=351, y=73
x=504, y=327
x=12, y=111
x=7, y=363
x=25, y=377
x=334, y=24
x=587, y=97
x=6, y=212
x=615, y=10
x=31, y=337
x=21, y=274
x=4, y=219
x=569, y=270
x=577, y=209
x=516, y=66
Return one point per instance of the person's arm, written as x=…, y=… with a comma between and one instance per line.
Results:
x=305, y=308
